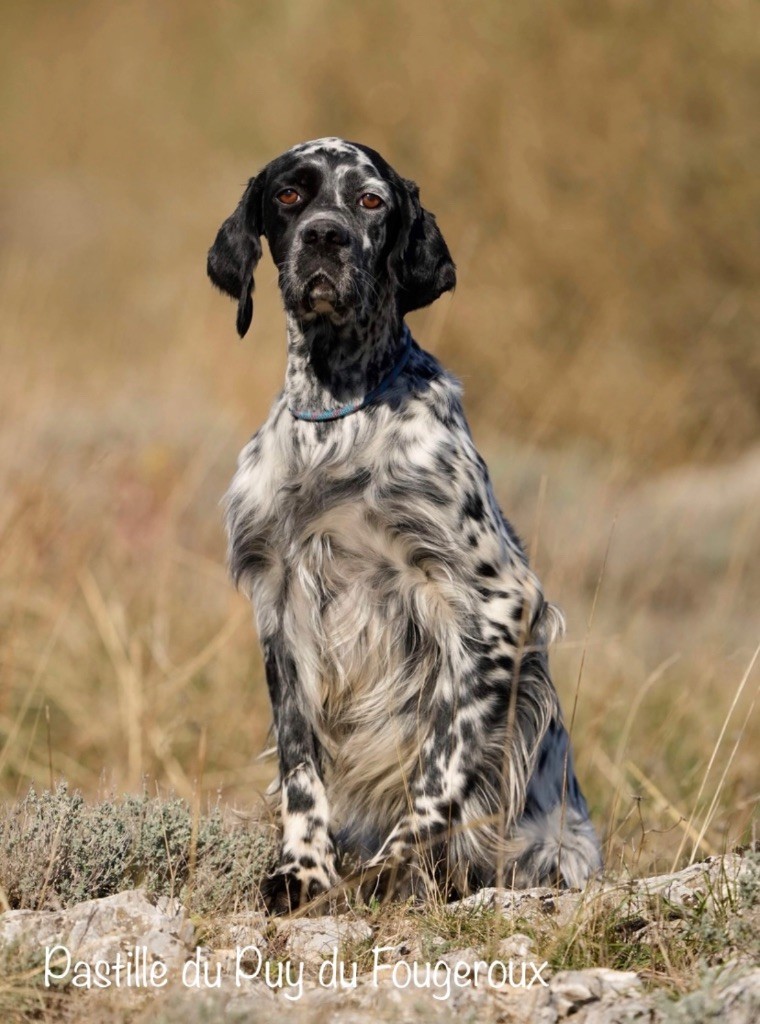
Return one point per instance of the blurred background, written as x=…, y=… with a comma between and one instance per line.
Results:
x=594, y=166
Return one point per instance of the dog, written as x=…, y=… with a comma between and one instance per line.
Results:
x=404, y=635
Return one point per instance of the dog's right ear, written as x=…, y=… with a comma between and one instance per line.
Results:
x=236, y=251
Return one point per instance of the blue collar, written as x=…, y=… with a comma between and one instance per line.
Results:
x=361, y=403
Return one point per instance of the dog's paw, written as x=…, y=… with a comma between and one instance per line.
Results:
x=292, y=887
x=392, y=877
x=400, y=872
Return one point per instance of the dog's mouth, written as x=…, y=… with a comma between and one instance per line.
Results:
x=321, y=295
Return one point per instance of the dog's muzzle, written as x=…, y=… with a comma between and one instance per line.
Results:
x=322, y=266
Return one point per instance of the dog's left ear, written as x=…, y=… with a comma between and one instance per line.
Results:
x=236, y=252
x=423, y=264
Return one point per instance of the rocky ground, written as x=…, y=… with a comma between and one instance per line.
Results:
x=127, y=957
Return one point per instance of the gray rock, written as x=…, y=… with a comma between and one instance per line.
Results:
x=314, y=938
x=731, y=996
x=517, y=947
x=709, y=881
x=101, y=929
x=740, y=999
x=571, y=991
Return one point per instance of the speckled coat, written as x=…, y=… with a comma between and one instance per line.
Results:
x=404, y=634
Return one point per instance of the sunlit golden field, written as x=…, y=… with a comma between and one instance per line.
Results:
x=594, y=167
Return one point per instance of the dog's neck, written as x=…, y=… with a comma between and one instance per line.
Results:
x=331, y=365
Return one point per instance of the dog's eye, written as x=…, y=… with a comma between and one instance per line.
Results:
x=288, y=197
x=370, y=201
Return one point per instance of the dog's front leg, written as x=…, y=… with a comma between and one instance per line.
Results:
x=307, y=857
x=447, y=769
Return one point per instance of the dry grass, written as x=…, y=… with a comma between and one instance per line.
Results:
x=594, y=169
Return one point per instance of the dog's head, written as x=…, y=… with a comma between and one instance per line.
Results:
x=345, y=231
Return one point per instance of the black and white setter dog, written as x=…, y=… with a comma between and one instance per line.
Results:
x=404, y=635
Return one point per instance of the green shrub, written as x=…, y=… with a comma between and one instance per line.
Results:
x=57, y=850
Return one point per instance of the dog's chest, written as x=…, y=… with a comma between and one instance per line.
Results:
x=351, y=572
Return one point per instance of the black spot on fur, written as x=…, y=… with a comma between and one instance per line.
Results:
x=473, y=507
x=485, y=569
x=299, y=800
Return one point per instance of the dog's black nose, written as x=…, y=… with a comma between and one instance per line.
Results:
x=324, y=233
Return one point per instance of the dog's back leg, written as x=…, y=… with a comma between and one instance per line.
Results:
x=554, y=839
